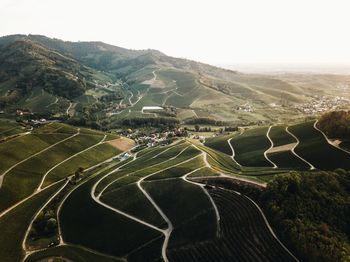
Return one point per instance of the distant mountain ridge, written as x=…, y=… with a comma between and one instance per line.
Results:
x=96, y=79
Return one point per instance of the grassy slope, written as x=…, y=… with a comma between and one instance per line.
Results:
x=187, y=207
x=314, y=148
x=24, y=178
x=179, y=170
x=86, y=159
x=206, y=171
x=14, y=224
x=131, y=200
x=72, y=253
x=87, y=223
x=17, y=149
x=147, y=156
x=280, y=137
x=8, y=128
x=250, y=147
x=284, y=159
x=219, y=143
x=220, y=161
x=243, y=236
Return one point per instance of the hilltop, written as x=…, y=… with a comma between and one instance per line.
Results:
x=97, y=84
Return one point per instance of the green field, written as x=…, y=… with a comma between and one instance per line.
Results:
x=196, y=210
x=14, y=224
x=280, y=137
x=9, y=129
x=179, y=170
x=132, y=201
x=219, y=143
x=26, y=177
x=84, y=222
x=86, y=159
x=206, y=171
x=286, y=159
x=250, y=146
x=315, y=149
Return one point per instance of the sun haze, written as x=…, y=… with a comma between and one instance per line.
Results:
x=219, y=32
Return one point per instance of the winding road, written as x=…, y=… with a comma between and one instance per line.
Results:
x=272, y=145
x=328, y=140
x=31, y=156
x=65, y=160
x=293, y=150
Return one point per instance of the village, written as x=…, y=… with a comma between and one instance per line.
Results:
x=320, y=104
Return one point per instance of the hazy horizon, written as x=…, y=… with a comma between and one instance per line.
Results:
x=220, y=33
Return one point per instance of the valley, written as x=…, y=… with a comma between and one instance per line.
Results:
x=113, y=154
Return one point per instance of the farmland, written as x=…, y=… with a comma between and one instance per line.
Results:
x=315, y=149
x=250, y=146
x=158, y=204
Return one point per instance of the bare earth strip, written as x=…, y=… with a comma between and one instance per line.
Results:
x=334, y=143
x=293, y=149
x=123, y=143
x=282, y=148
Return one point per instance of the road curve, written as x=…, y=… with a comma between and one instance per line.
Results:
x=328, y=140
x=233, y=151
x=270, y=228
x=217, y=214
x=65, y=160
x=27, y=253
x=170, y=228
x=293, y=150
x=45, y=149
x=272, y=145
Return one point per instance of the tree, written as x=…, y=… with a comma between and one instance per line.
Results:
x=77, y=173
x=196, y=127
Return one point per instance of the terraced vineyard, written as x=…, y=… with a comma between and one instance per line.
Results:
x=149, y=207
x=251, y=241
x=250, y=146
x=281, y=154
x=315, y=149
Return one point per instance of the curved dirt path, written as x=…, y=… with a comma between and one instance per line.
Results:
x=293, y=150
x=229, y=176
x=233, y=152
x=55, y=102
x=232, y=149
x=67, y=111
x=28, y=197
x=328, y=140
x=165, y=232
x=272, y=145
x=170, y=228
x=45, y=149
x=217, y=214
x=65, y=160
x=27, y=253
x=270, y=228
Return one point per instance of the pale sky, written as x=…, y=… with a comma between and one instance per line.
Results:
x=216, y=32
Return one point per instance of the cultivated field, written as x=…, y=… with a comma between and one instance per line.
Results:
x=150, y=206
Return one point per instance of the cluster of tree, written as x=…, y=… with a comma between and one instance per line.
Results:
x=205, y=121
x=310, y=212
x=197, y=128
x=45, y=225
x=11, y=97
x=151, y=121
x=336, y=124
x=117, y=95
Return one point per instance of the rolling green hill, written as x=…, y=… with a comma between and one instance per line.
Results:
x=89, y=81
